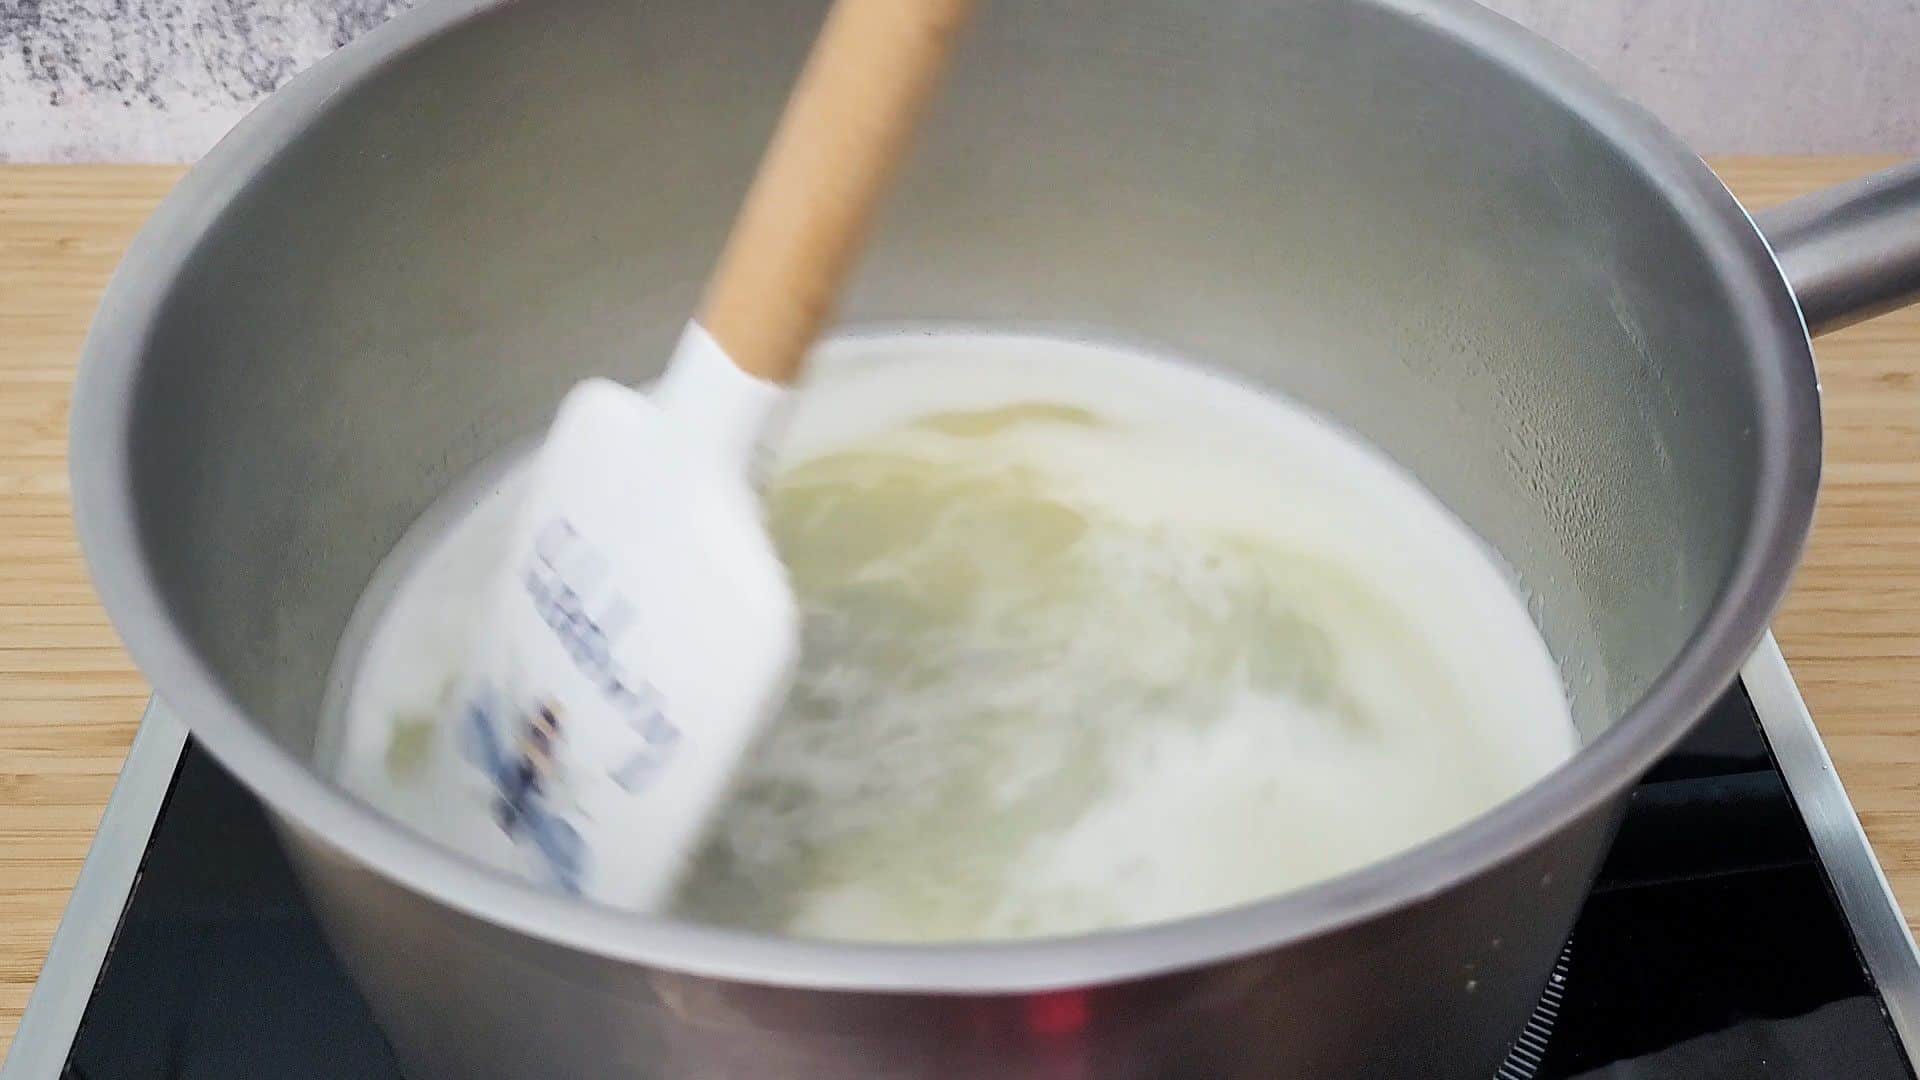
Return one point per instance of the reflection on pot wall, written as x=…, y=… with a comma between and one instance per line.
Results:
x=160, y=80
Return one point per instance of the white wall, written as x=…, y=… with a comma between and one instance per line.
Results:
x=161, y=79
x=1753, y=76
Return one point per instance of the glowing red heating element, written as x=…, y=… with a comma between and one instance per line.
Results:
x=1057, y=1014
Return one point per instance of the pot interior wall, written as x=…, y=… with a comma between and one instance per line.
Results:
x=1330, y=198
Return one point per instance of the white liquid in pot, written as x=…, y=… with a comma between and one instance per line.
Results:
x=1091, y=639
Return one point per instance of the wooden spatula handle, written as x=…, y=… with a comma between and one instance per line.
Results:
x=845, y=130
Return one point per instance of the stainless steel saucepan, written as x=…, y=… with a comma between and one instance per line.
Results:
x=1410, y=214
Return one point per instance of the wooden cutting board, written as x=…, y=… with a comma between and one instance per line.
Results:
x=69, y=699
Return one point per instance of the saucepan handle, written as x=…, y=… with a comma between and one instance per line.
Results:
x=1853, y=251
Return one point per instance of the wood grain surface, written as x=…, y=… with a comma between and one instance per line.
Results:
x=69, y=699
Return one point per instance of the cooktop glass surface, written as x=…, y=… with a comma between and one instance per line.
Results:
x=1711, y=947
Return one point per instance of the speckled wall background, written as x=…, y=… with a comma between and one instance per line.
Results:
x=154, y=80
x=160, y=80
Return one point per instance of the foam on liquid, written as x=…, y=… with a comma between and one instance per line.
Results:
x=1091, y=639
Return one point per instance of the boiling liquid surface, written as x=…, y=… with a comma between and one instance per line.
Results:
x=1091, y=639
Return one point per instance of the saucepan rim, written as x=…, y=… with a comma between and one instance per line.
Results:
x=1766, y=318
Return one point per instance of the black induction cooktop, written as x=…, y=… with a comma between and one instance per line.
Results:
x=1715, y=943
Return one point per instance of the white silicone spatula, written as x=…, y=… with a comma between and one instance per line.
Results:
x=644, y=629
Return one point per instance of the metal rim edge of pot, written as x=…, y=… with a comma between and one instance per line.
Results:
x=1768, y=320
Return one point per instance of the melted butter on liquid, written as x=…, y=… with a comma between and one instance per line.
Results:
x=1090, y=639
